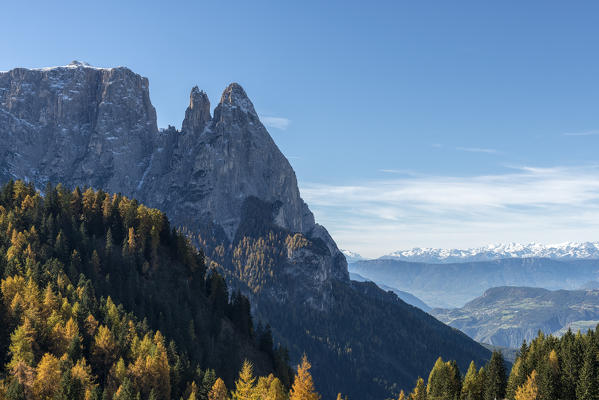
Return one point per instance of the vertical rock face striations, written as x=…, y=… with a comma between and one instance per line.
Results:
x=224, y=180
x=76, y=124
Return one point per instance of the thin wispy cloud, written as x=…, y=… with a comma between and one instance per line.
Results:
x=583, y=133
x=275, y=122
x=477, y=150
x=530, y=204
x=398, y=171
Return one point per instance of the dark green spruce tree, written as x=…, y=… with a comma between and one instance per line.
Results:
x=496, y=380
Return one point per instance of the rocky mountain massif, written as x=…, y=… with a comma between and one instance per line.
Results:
x=505, y=316
x=454, y=284
x=224, y=181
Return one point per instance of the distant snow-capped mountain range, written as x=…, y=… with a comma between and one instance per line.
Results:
x=563, y=251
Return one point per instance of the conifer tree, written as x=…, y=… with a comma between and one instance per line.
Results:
x=109, y=242
x=444, y=381
x=472, y=388
x=437, y=381
x=104, y=349
x=244, y=386
x=70, y=388
x=454, y=387
x=269, y=388
x=126, y=391
x=571, y=357
x=276, y=390
x=76, y=202
x=587, y=387
x=529, y=390
x=15, y=390
x=21, y=344
x=218, y=391
x=303, y=385
x=496, y=379
x=208, y=381
x=549, y=377
x=47, y=380
x=131, y=241
x=515, y=379
x=419, y=392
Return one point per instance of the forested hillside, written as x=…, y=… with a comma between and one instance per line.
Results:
x=547, y=368
x=101, y=299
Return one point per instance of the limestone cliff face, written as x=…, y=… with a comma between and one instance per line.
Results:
x=77, y=125
x=214, y=164
x=87, y=126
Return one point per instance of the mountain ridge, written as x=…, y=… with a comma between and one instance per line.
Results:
x=560, y=251
x=507, y=315
x=405, y=296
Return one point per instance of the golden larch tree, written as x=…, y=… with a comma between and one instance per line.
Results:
x=419, y=392
x=530, y=390
x=245, y=384
x=218, y=391
x=47, y=380
x=303, y=385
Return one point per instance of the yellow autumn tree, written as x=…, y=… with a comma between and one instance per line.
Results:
x=50, y=302
x=193, y=395
x=270, y=388
x=83, y=373
x=131, y=240
x=263, y=385
x=530, y=390
x=419, y=392
x=24, y=374
x=218, y=391
x=159, y=368
x=150, y=371
x=12, y=286
x=276, y=391
x=21, y=344
x=47, y=379
x=303, y=385
x=104, y=348
x=244, y=385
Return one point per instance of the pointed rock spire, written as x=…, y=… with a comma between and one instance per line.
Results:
x=197, y=114
x=234, y=102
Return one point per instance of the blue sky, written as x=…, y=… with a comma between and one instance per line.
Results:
x=407, y=104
